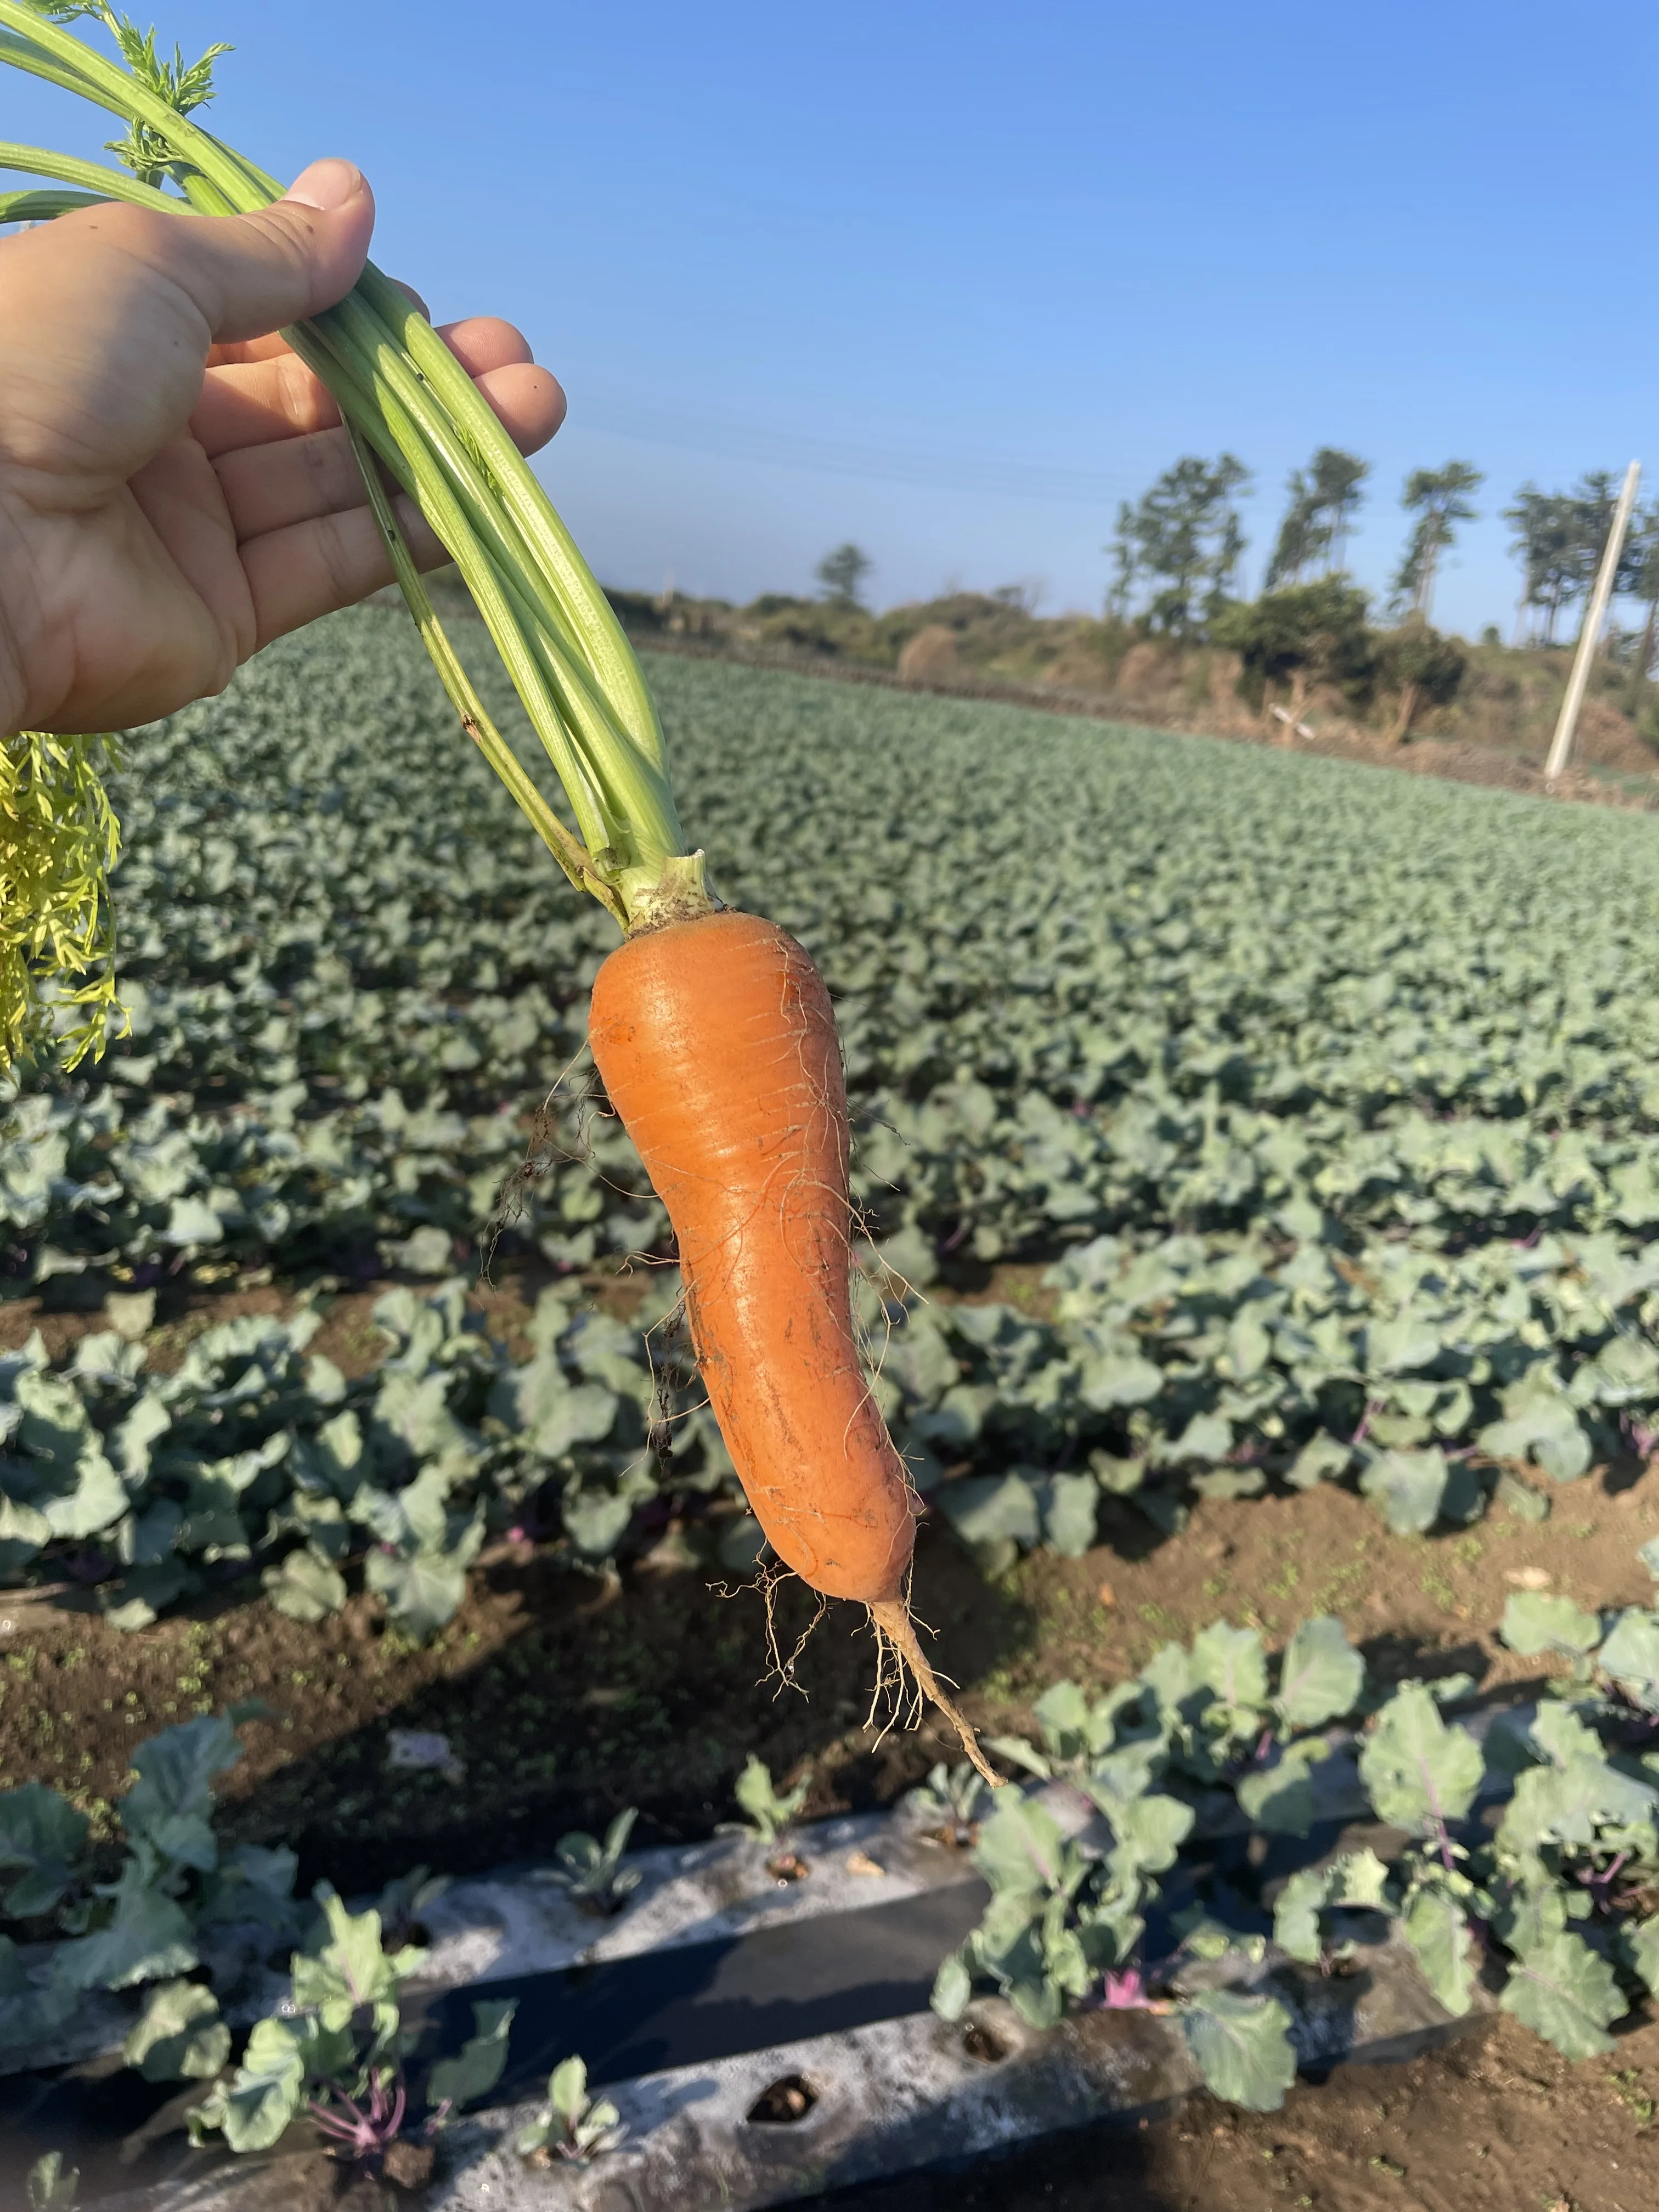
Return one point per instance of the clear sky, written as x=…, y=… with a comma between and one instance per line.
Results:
x=951, y=280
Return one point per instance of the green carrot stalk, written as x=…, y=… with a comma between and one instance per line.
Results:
x=410, y=406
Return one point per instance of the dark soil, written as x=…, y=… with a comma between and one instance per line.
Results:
x=565, y=1696
x=1496, y=2122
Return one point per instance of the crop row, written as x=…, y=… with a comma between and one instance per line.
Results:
x=1171, y=1859
x=1326, y=1095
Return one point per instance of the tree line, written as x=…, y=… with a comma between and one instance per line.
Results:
x=1181, y=544
x=1559, y=537
x=1176, y=551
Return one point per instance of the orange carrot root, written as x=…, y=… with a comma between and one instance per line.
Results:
x=890, y=1618
x=716, y=1041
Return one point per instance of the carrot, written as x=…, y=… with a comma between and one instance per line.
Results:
x=713, y=1030
x=716, y=1042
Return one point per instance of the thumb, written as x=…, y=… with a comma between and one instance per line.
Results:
x=253, y=274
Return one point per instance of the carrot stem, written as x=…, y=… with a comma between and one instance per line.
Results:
x=571, y=854
x=398, y=387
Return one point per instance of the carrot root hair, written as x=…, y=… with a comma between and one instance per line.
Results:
x=890, y=1618
x=545, y=1145
x=781, y=1670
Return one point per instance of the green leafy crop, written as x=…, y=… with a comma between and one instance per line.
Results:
x=179, y=1926
x=1199, y=1754
x=769, y=1813
x=1332, y=1092
x=593, y=1871
x=180, y=1902
x=252, y=1451
x=572, y=2125
x=52, y=2186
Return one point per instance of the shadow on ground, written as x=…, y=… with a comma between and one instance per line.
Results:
x=1086, y=2170
x=564, y=1699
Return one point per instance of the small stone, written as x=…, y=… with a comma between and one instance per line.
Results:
x=423, y=1750
x=1106, y=1593
x=1528, y=1578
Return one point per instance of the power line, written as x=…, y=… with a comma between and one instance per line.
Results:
x=994, y=475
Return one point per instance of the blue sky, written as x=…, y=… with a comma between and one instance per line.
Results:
x=951, y=280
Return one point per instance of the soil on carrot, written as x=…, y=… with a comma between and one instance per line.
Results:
x=1496, y=2122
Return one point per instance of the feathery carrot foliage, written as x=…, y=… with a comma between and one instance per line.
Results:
x=58, y=841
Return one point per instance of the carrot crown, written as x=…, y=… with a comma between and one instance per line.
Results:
x=407, y=404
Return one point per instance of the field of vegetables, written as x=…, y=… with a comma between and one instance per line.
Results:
x=1260, y=1162
x=1328, y=1102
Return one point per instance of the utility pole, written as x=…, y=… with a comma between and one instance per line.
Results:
x=1594, y=615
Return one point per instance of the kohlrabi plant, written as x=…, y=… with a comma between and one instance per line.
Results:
x=769, y=1813
x=592, y=1871
x=572, y=2125
x=403, y=1903
x=1067, y=1921
x=338, y=2050
x=51, y=2186
x=1556, y=1900
x=954, y=1800
x=176, y=1901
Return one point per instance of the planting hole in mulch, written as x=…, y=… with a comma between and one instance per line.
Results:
x=409, y=2165
x=783, y=2103
x=980, y=2043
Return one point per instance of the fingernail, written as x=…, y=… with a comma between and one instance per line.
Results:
x=325, y=185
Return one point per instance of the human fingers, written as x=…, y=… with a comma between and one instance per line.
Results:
x=481, y=342
x=528, y=401
x=485, y=345
x=289, y=480
x=256, y=402
x=246, y=350
x=252, y=403
x=246, y=275
x=312, y=568
x=273, y=343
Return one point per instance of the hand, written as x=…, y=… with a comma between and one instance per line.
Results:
x=175, y=489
